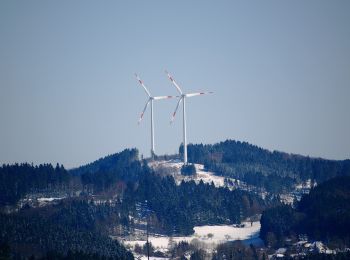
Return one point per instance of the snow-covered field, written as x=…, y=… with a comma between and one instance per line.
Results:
x=174, y=168
x=208, y=235
x=49, y=199
x=205, y=236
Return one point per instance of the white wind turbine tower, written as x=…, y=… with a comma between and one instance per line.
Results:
x=150, y=100
x=183, y=99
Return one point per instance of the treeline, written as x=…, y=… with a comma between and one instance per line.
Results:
x=323, y=214
x=67, y=229
x=275, y=171
x=19, y=179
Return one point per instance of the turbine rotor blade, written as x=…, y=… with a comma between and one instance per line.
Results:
x=163, y=97
x=198, y=94
x=173, y=81
x=177, y=106
x=143, y=85
x=143, y=111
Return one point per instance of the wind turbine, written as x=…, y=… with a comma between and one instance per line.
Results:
x=183, y=100
x=150, y=100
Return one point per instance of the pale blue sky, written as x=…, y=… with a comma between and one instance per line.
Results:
x=280, y=71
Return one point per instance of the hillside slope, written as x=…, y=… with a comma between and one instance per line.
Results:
x=323, y=214
x=274, y=171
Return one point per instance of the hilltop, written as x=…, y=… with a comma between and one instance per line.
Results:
x=273, y=171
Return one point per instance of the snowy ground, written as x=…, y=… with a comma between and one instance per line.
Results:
x=174, y=168
x=49, y=199
x=210, y=236
x=205, y=236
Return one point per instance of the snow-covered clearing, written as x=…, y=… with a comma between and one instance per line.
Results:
x=207, y=235
x=49, y=199
x=173, y=167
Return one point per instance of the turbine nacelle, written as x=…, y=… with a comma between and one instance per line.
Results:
x=183, y=95
x=182, y=99
x=150, y=100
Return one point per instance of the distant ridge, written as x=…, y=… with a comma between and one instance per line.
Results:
x=273, y=170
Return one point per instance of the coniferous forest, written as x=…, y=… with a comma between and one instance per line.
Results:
x=77, y=225
x=323, y=214
x=103, y=199
x=275, y=171
x=20, y=179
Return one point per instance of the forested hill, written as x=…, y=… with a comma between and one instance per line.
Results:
x=114, y=191
x=275, y=171
x=107, y=172
x=323, y=214
x=109, y=162
x=17, y=180
x=175, y=208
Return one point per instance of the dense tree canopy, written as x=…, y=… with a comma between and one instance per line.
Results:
x=129, y=190
x=71, y=226
x=180, y=208
x=324, y=214
x=19, y=179
x=275, y=171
